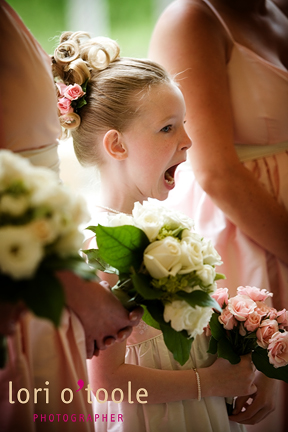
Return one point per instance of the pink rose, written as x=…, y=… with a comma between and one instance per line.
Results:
x=273, y=313
x=241, y=306
x=64, y=106
x=61, y=88
x=278, y=349
x=282, y=318
x=254, y=293
x=252, y=322
x=74, y=92
x=263, y=309
x=221, y=296
x=227, y=319
x=265, y=332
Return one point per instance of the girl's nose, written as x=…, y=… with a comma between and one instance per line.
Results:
x=185, y=143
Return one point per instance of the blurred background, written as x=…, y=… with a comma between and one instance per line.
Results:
x=129, y=22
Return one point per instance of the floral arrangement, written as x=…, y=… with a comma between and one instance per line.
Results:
x=163, y=266
x=248, y=325
x=39, y=235
x=71, y=97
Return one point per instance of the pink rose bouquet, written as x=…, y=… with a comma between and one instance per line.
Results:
x=249, y=325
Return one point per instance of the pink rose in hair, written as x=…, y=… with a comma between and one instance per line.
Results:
x=221, y=296
x=227, y=319
x=241, y=306
x=61, y=88
x=64, y=106
x=282, y=318
x=278, y=349
x=252, y=322
x=74, y=92
x=254, y=293
x=265, y=332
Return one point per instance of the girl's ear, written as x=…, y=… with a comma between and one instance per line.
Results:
x=114, y=146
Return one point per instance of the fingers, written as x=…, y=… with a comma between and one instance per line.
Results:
x=135, y=315
x=123, y=334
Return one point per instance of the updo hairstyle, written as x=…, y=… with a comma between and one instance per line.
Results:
x=114, y=88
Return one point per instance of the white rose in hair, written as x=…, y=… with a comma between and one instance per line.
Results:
x=185, y=317
x=207, y=274
x=163, y=258
x=20, y=252
x=210, y=255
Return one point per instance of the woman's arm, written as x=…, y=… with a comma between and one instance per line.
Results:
x=189, y=40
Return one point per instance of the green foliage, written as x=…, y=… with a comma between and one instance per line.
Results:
x=121, y=247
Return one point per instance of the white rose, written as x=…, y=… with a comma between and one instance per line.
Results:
x=185, y=317
x=20, y=252
x=147, y=218
x=162, y=258
x=207, y=274
x=114, y=220
x=210, y=255
x=191, y=255
x=45, y=230
x=14, y=205
x=12, y=167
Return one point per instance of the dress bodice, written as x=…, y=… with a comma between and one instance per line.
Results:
x=260, y=113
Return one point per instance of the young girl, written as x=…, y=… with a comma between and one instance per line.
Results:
x=132, y=129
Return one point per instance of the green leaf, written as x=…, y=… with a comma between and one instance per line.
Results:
x=44, y=295
x=217, y=329
x=219, y=276
x=122, y=247
x=98, y=263
x=226, y=351
x=213, y=344
x=142, y=285
x=199, y=298
x=148, y=319
x=177, y=342
x=261, y=361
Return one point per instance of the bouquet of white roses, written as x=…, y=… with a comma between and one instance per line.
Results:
x=39, y=235
x=248, y=325
x=162, y=266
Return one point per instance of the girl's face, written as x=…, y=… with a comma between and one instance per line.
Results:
x=156, y=143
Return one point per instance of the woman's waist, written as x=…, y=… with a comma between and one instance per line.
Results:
x=248, y=152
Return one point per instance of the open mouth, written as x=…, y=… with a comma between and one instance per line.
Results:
x=169, y=175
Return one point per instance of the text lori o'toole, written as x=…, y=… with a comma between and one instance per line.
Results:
x=67, y=395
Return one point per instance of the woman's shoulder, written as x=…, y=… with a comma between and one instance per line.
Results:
x=187, y=26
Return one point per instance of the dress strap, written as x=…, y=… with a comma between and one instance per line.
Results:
x=220, y=19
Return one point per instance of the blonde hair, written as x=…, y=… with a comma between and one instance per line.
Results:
x=114, y=88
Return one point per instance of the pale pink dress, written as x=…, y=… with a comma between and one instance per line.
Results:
x=38, y=353
x=259, y=96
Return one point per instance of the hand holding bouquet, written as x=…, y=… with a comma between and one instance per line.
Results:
x=248, y=325
x=162, y=266
x=39, y=235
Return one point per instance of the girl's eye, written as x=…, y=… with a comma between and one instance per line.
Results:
x=166, y=128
